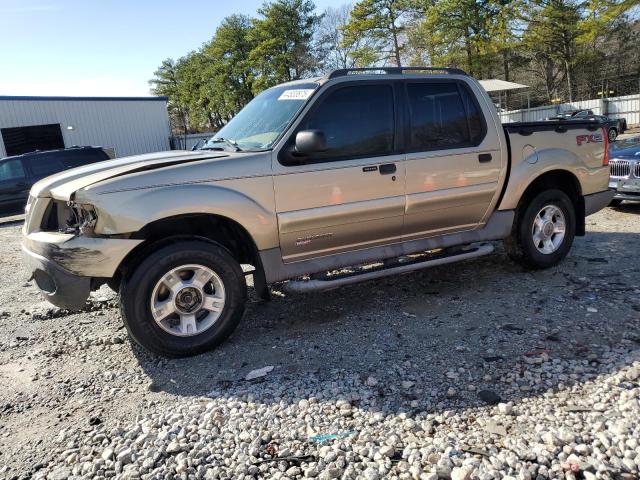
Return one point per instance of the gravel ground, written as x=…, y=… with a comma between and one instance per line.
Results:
x=473, y=370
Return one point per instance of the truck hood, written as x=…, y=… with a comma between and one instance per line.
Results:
x=628, y=153
x=62, y=185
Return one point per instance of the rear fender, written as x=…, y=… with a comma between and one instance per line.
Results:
x=537, y=162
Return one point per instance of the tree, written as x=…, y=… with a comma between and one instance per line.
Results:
x=228, y=68
x=553, y=28
x=382, y=23
x=282, y=40
x=563, y=49
x=168, y=82
x=334, y=52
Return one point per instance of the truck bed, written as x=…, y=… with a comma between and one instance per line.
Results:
x=560, y=126
x=576, y=146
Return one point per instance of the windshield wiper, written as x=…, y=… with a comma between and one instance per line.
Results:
x=228, y=141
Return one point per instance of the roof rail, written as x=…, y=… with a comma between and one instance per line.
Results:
x=341, y=72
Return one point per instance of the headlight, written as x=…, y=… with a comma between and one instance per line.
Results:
x=69, y=217
x=84, y=217
x=27, y=208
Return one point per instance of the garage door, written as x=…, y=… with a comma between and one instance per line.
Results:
x=19, y=140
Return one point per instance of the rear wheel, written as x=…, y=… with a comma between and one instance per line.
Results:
x=613, y=134
x=544, y=231
x=183, y=299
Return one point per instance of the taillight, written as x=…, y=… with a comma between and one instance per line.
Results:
x=605, y=158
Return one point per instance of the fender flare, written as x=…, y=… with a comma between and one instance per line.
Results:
x=129, y=211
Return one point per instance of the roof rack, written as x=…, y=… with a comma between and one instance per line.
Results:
x=394, y=70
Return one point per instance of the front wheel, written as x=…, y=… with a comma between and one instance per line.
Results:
x=544, y=231
x=613, y=134
x=183, y=299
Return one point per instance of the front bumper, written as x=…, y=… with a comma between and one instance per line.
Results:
x=597, y=201
x=60, y=287
x=64, y=264
x=626, y=194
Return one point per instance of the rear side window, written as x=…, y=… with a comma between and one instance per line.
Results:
x=11, y=170
x=358, y=121
x=443, y=116
x=44, y=165
x=78, y=158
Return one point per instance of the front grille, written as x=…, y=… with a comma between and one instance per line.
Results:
x=636, y=170
x=620, y=168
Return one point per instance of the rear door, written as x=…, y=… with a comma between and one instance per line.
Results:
x=14, y=187
x=453, y=161
x=352, y=195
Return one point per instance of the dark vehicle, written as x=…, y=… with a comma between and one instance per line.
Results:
x=624, y=170
x=19, y=173
x=613, y=126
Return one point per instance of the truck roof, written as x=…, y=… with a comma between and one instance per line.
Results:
x=367, y=73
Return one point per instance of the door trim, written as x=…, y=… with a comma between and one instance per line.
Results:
x=497, y=228
x=342, y=214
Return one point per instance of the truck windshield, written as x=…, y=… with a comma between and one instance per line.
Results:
x=259, y=124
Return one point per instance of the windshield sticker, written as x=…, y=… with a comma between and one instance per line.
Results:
x=296, y=94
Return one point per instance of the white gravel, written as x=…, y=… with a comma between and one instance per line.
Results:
x=479, y=370
x=267, y=430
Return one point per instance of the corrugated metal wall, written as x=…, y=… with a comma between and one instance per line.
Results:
x=130, y=126
x=615, y=107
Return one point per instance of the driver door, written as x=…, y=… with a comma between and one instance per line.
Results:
x=351, y=195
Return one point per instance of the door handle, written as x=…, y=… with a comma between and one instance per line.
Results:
x=387, y=168
x=484, y=157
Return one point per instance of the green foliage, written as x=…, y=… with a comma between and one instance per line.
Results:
x=381, y=21
x=208, y=87
x=282, y=38
x=564, y=49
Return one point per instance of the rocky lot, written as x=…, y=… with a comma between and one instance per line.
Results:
x=476, y=370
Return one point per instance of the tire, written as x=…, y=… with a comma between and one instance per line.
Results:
x=612, y=134
x=114, y=282
x=522, y=247
x=615, y=203
x=163, y=279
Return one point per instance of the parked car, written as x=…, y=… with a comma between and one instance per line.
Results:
x=405, y=171
x=624, y=166
x=614, y=126
x=20, y=172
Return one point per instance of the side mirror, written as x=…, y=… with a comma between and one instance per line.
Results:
x=310, y=141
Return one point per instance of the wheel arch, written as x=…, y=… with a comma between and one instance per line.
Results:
x=211, y=228
x=558, y=179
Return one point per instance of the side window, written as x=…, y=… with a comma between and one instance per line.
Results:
x=442, y=116
x=11, y=170
x=357, y=121
x=474, y=115
x=43, y=166
x=77, y=158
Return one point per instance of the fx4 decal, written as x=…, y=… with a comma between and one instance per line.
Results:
x=592, y=138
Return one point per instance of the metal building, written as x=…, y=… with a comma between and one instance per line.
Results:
x=129, y=125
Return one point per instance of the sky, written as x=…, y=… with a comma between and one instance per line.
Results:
x=103, y=47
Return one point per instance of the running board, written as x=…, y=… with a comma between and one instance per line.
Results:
x=315, y=285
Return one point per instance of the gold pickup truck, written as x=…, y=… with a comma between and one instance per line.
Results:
x=385, y=171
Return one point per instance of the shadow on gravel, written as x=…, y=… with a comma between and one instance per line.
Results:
x=444, y=334
x=629, y=207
